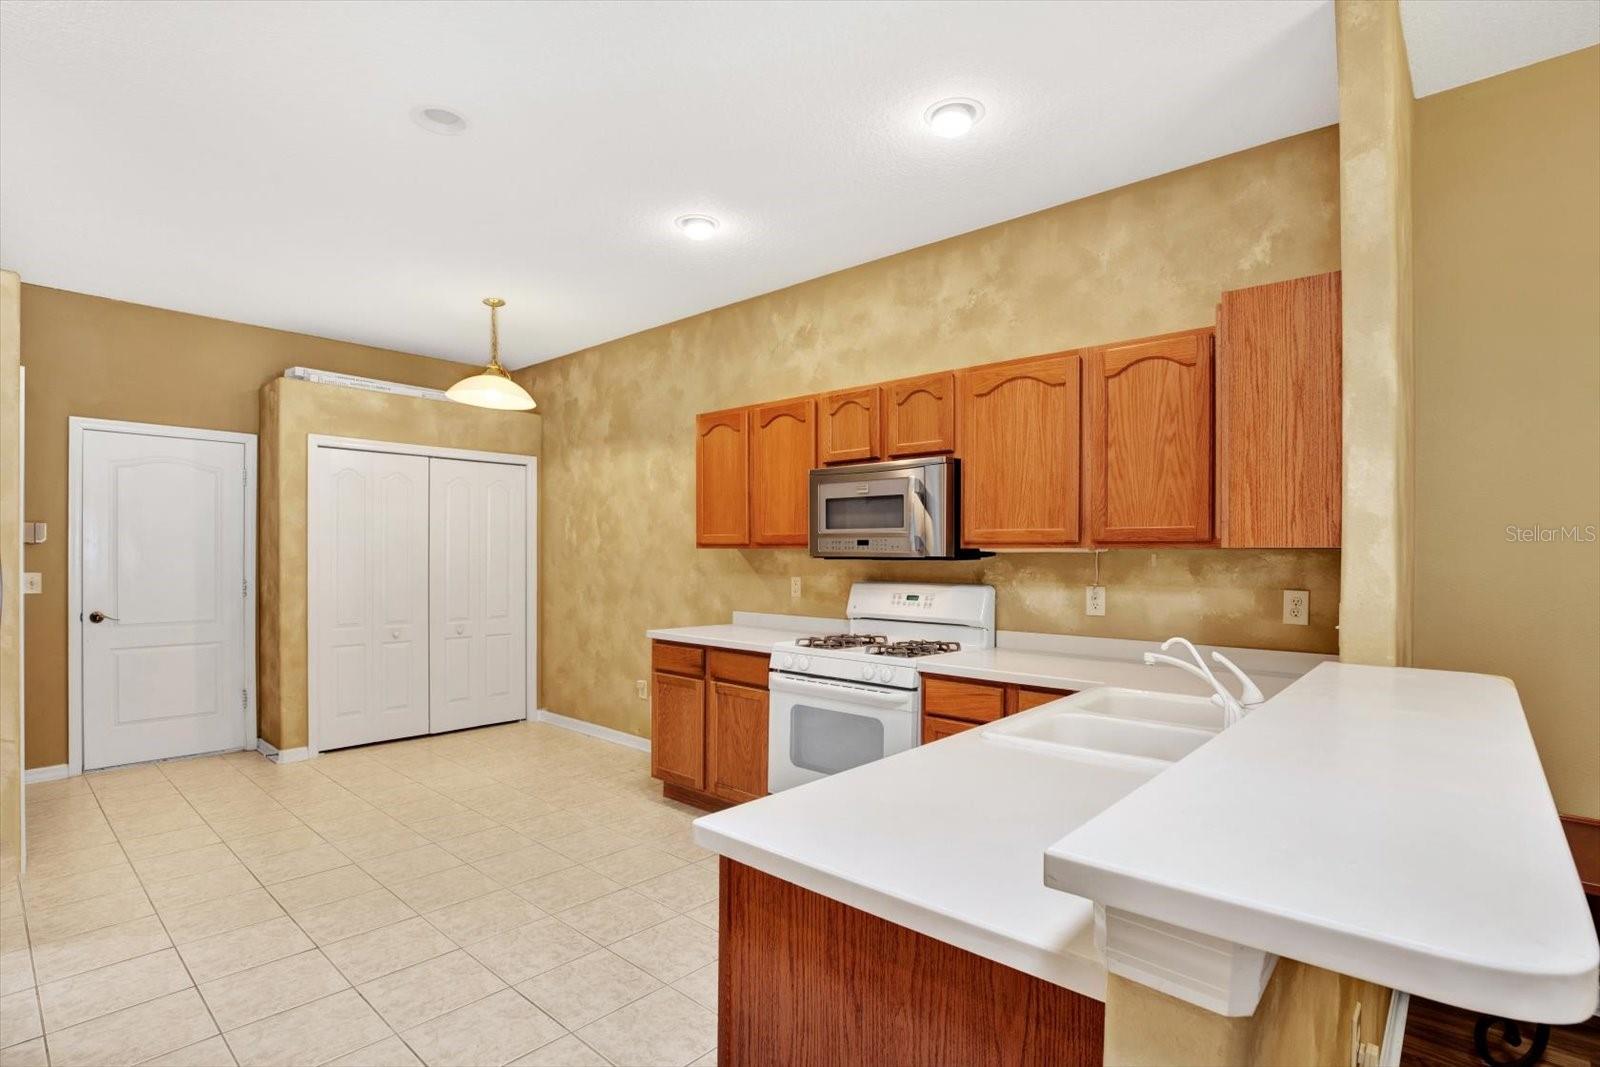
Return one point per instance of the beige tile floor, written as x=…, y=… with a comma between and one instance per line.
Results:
x=518, y=894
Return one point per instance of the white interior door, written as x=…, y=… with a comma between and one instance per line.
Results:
x=163, y=596
x=372, y=616
x=478, y=576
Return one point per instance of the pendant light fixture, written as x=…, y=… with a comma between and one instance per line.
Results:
x=494, y=387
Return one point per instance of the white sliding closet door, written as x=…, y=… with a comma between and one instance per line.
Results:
x=372, y=581
x=479, y=583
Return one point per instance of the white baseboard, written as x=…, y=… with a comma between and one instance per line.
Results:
x=591, y=729
x=46, y=774
x=288, y=755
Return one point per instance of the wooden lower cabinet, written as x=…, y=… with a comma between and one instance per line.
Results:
x=937, y=728
x=678, y=730
x=807, y=980
x=953, y=704
x=736, y=742
x=708, y=724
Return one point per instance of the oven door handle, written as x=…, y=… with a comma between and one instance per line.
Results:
x=788, y=683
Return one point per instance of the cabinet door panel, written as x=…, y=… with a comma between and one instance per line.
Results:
x=919, y=416
x=847, y=423
x=935, y=728
x=782, y=452
x=1149, y=420
x=1279, y=397
x=678, y=730
x=736, y=740
x=1020, y=452
x=1029, y=697
x=722, y=478
x=960, y=699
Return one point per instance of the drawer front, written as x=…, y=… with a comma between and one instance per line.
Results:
x=746, y=668
x=958, y=699
x=934, y=728
x=1030, y=697
x=678, y=659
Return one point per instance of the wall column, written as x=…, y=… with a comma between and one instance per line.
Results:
x=1375, y=106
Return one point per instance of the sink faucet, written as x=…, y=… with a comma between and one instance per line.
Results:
x=1233, y=707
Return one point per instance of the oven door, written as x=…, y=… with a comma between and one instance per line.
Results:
x=865, y=514
x=821, y=727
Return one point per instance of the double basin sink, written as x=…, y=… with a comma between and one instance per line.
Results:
x=1128, y=727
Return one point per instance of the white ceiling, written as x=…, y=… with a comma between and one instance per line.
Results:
x=257, y=161
x=1453, y=42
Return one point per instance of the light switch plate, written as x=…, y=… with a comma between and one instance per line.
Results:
x=644, y=692
x=32, y=582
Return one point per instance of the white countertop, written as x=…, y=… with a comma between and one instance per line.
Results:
x=750, y=631
x=945, y=839
x=1062, y=670
x=1390, y=824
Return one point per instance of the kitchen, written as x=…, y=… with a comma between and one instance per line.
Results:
x=859, y=533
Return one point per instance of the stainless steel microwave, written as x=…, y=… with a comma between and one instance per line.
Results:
x=906, y=509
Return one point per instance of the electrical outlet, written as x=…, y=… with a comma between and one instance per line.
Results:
x=32, y=582
x=1296, y=607
x=794, y=589
x=644, y=692
x=1094, y=600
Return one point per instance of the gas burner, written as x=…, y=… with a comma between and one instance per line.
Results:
x=911, y=649
x=837, y=641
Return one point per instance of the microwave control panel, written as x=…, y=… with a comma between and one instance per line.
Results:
x=863, y=544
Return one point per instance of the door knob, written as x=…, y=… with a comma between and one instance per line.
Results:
x=100, y=616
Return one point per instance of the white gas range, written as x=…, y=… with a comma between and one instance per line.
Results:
x=841, y=700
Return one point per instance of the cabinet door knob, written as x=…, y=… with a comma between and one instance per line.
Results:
x=460, y=629
x=395, y=633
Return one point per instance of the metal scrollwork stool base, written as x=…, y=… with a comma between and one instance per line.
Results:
x=1511, y=1053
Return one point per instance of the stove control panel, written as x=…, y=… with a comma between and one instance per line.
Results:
x=914, y=601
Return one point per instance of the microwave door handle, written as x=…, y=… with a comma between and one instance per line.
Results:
x=917, y=514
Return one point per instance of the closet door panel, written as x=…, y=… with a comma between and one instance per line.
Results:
x=372, y=592
x=479, y=583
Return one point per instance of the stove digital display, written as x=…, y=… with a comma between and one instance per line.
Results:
x=912, y=598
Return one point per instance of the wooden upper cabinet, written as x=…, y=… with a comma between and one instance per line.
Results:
x=1148, y=420
x=847, y=426
x=1020, y=452
x=1279, y=393
x=722, y=478
x=783, y=443
x=919, y=416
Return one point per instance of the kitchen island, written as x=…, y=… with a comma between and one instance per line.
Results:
x=948, y=843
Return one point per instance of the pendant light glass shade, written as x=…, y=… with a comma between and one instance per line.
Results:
x=494, y=387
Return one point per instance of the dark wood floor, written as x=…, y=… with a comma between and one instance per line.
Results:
x=1438, y=1035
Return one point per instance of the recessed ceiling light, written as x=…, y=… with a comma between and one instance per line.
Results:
x=697, y=227
x=437, y=119
x=953, y=118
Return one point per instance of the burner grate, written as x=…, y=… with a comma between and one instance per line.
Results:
x=838, y=641
x=911, y=649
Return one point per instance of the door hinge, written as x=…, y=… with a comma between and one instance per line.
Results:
x=244, y=699
x=246, y=592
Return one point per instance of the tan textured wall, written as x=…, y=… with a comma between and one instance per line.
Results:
x=11, y=574
x=1507, y=202
x=1303, y=1019
x=290, y=411
x=1375, y=116
x=618, y=464
x=106, y=359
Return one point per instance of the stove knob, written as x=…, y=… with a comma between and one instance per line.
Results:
x=885, y=674
x=787, y=661
x=866, y=672
x=804, y=663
